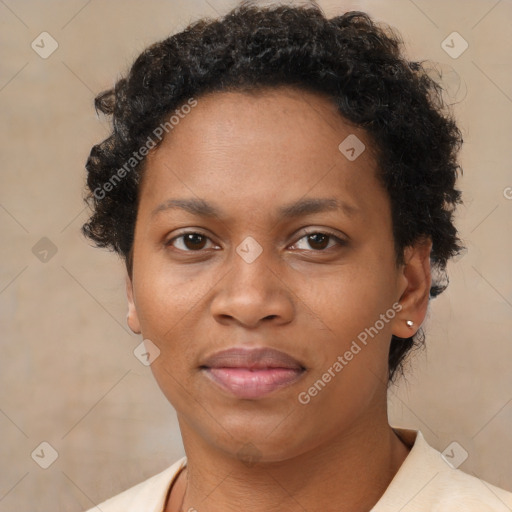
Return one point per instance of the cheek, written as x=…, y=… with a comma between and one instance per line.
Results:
x=351, y=299
x=171, y=303
x=168, y=309
x=165, y=295
x=351, y=303
x=356, y=345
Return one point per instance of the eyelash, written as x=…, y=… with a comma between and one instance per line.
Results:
x=338, y=240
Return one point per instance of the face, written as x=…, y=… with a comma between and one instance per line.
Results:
x=255, y=230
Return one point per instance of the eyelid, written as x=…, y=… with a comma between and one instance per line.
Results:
x=325, y=231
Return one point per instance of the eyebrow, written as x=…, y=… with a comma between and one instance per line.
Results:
x=302, y=207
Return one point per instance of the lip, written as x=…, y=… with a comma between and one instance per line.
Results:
x=252, y=372
x=251, y=358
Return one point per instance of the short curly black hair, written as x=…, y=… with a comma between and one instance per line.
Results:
x=355, y=62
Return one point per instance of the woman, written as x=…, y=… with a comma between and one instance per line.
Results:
x=281, y=187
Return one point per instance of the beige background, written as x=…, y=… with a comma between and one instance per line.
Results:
x=69, y=376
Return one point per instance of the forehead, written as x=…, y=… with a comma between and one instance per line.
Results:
x=277, y=144
x=280, y=117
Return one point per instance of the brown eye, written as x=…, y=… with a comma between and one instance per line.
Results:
x=189, y=242
x=319, y=241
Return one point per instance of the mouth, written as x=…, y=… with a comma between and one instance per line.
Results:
x=252, y=373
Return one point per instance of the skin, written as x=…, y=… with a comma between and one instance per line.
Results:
x=250, y=154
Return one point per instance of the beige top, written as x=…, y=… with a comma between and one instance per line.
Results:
x=425, y=482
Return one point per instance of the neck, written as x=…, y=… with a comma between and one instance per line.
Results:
x=349, y=473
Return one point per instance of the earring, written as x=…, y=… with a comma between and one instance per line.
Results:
x=409, y=323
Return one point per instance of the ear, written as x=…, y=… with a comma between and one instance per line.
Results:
x=131, y=318
x=414, y=288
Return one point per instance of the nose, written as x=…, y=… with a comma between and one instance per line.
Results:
x=251, y=293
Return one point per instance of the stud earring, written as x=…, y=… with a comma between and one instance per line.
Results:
x=409, y=323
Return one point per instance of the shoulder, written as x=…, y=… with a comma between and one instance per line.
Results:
x=149, y=495
x=426, y=481
x=454, y=488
